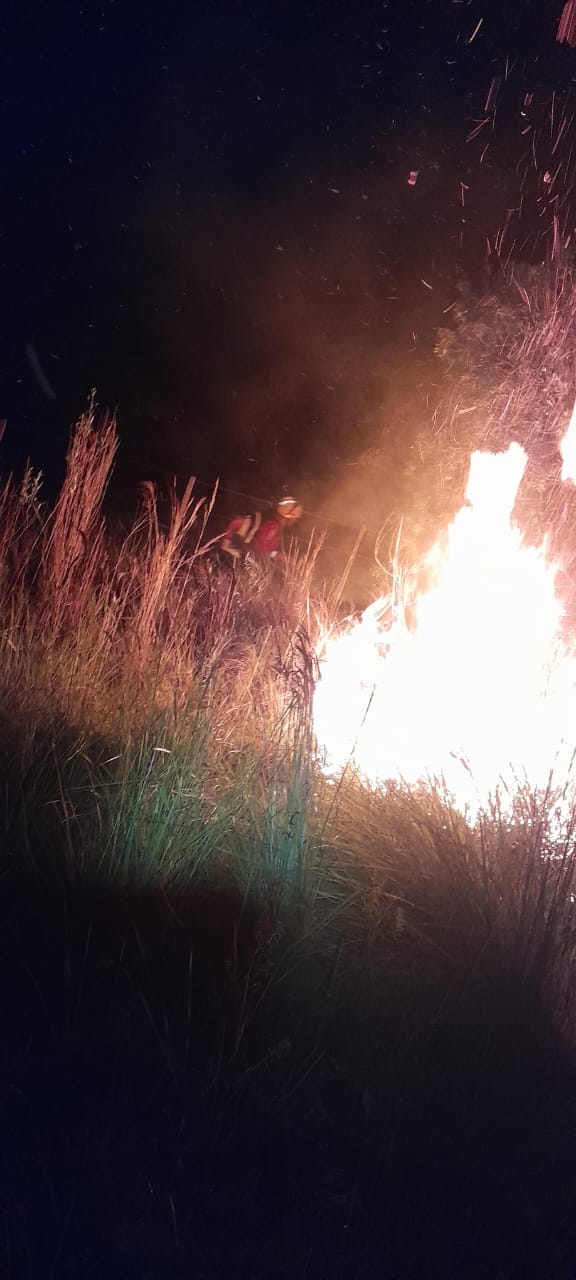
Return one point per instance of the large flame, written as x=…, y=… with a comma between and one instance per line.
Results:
x=480, y=691
x=568, y=449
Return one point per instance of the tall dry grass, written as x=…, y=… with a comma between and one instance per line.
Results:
x=152, y=698
x=156, y=728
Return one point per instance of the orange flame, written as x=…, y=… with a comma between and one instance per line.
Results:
x=480, y=693
x=568, y=450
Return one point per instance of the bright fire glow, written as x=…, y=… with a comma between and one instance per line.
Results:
x=480, y=690
x=568, y=450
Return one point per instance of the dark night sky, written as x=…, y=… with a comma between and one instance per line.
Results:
x=206, y=214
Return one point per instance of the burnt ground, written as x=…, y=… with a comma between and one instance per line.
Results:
x=184, y=1093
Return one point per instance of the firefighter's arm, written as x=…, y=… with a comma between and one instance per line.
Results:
x=255, y=527
x=228, y=547
x=235, y=537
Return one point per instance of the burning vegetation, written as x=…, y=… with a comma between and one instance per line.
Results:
x=477, y=693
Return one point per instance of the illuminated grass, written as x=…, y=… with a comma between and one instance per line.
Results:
x=507, y=361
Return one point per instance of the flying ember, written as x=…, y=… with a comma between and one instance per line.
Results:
x=479, y=692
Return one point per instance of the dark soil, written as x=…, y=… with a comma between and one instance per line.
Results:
x=180, y=1099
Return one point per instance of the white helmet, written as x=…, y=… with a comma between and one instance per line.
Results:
x=289, y=508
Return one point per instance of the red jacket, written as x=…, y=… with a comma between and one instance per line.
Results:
x=265, y=541
x=268, y=539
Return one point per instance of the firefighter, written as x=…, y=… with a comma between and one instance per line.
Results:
x=269, y=538
x=248, y=534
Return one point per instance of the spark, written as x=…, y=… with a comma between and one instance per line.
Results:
x=567, y=25
x=475, y=31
